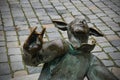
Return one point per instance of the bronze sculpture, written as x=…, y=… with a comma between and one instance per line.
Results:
x=66, y=60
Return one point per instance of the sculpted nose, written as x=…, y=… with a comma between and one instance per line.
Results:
x=79, y=30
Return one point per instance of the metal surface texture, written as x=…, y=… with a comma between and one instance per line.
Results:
x=59, y=55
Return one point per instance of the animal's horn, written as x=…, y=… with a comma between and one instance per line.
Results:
x=43, y=31
x=32, y=29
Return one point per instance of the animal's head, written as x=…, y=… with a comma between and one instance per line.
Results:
x=78, y=31
x=32, y=46
x=34, y=41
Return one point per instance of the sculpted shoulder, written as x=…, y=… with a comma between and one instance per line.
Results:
x=58, y=45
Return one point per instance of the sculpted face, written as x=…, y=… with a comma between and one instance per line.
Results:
x=78, y=31
x=79, y=27
x=32, y=46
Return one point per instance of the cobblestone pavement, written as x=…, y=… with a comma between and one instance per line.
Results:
x=16, y=16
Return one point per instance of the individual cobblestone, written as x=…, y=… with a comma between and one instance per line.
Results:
x=11, y=33
x=100, y=39
x=116, y=71
x=15, y=58
x=2, y=44
x=118, y=48
x=33, y=70
x=109, y=49
x=20, y=73
x=3, y=50
x=5, y=77
x=105, y=44
x=106, y=19
x=101, y=55
x=12, y=44
x=53, y=36
x=2, y=38
x=103, y=27
x=115, y=43
x=117, y=19
x=117, y=62
x=28, y=77
x=4, y=68
x=108, y=32
x=17, y=66
x=108, y=62
x=24, y=32
x=101, y=14
x=3, y=57
x=22, y=38
x=92, y=17
x=112, y=37
x=11, y=38
x=13, y=51
x=115, y=55
x=9, y=28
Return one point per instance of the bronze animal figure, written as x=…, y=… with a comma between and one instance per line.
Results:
x=66, y=60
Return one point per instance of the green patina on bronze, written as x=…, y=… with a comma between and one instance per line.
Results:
x=67, y=60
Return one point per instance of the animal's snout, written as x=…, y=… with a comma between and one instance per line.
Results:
x=78, y=30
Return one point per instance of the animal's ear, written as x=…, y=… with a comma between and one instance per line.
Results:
x=60, y=25
x=95, y=32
